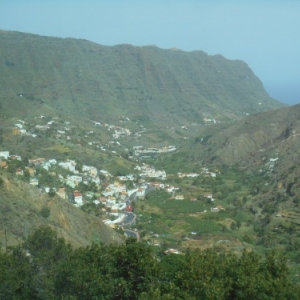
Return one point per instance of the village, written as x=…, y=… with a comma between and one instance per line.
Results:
x=62, y=129
x=85, y=184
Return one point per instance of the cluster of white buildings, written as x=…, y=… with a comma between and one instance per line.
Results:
x=114, y=196
x=42, y=127
x=19, y=128
x=206, y=172
x=217, y=208
x=69, y=165
x=147, y=171
x=209, y=120
x=188, y=175
x=4, y=154
x=130, y=177
x=120, y=131
x=48, y=164
x=141, y=150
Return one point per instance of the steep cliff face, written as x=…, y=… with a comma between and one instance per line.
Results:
x=83, y=79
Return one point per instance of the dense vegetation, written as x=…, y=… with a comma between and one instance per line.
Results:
x=257, y=215
x=45, y=267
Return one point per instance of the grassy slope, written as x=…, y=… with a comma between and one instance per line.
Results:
x=250, y=142
x=21, y=204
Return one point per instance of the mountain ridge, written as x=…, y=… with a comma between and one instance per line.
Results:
x=84, y=79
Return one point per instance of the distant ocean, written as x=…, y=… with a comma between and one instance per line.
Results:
x=288, y=94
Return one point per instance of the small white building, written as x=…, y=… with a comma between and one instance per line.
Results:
x=4, y=154
x=78, y=197
x=140, y=192
x=75, y=178
x=69, y=165
x=34, y=181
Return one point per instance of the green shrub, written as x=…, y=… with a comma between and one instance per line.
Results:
x=45, y=212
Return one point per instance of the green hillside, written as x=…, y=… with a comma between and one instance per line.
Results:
x=258, y=182
x=81, y=79
x=251, y=142
x=25, y=208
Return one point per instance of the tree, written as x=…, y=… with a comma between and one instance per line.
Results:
x=17, y=275
x=233, y=225
x=136, y=265
x=45, y=212
x=52, y=193
x=26, y=176
x=45, y=267
x=238, y=224
x=47, y=252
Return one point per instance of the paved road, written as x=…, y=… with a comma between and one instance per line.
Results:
x=131, y=233
x=129, y=219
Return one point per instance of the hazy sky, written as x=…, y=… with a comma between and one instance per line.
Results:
x=263, y=33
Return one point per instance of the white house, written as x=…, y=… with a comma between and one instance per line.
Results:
x=78, y=197
x=105, y=173
x=46, y=165
x=130, y=192
x=69, y=165
x=192, y=175
x=70, y=183
x=34, y=181
x=52, y=161
x=86, y=168
x=170, y=189
x=217, y=209
x=96, y=179
x=140, y=192
x=4, y=154
x=75, y=178
x=109, y=193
